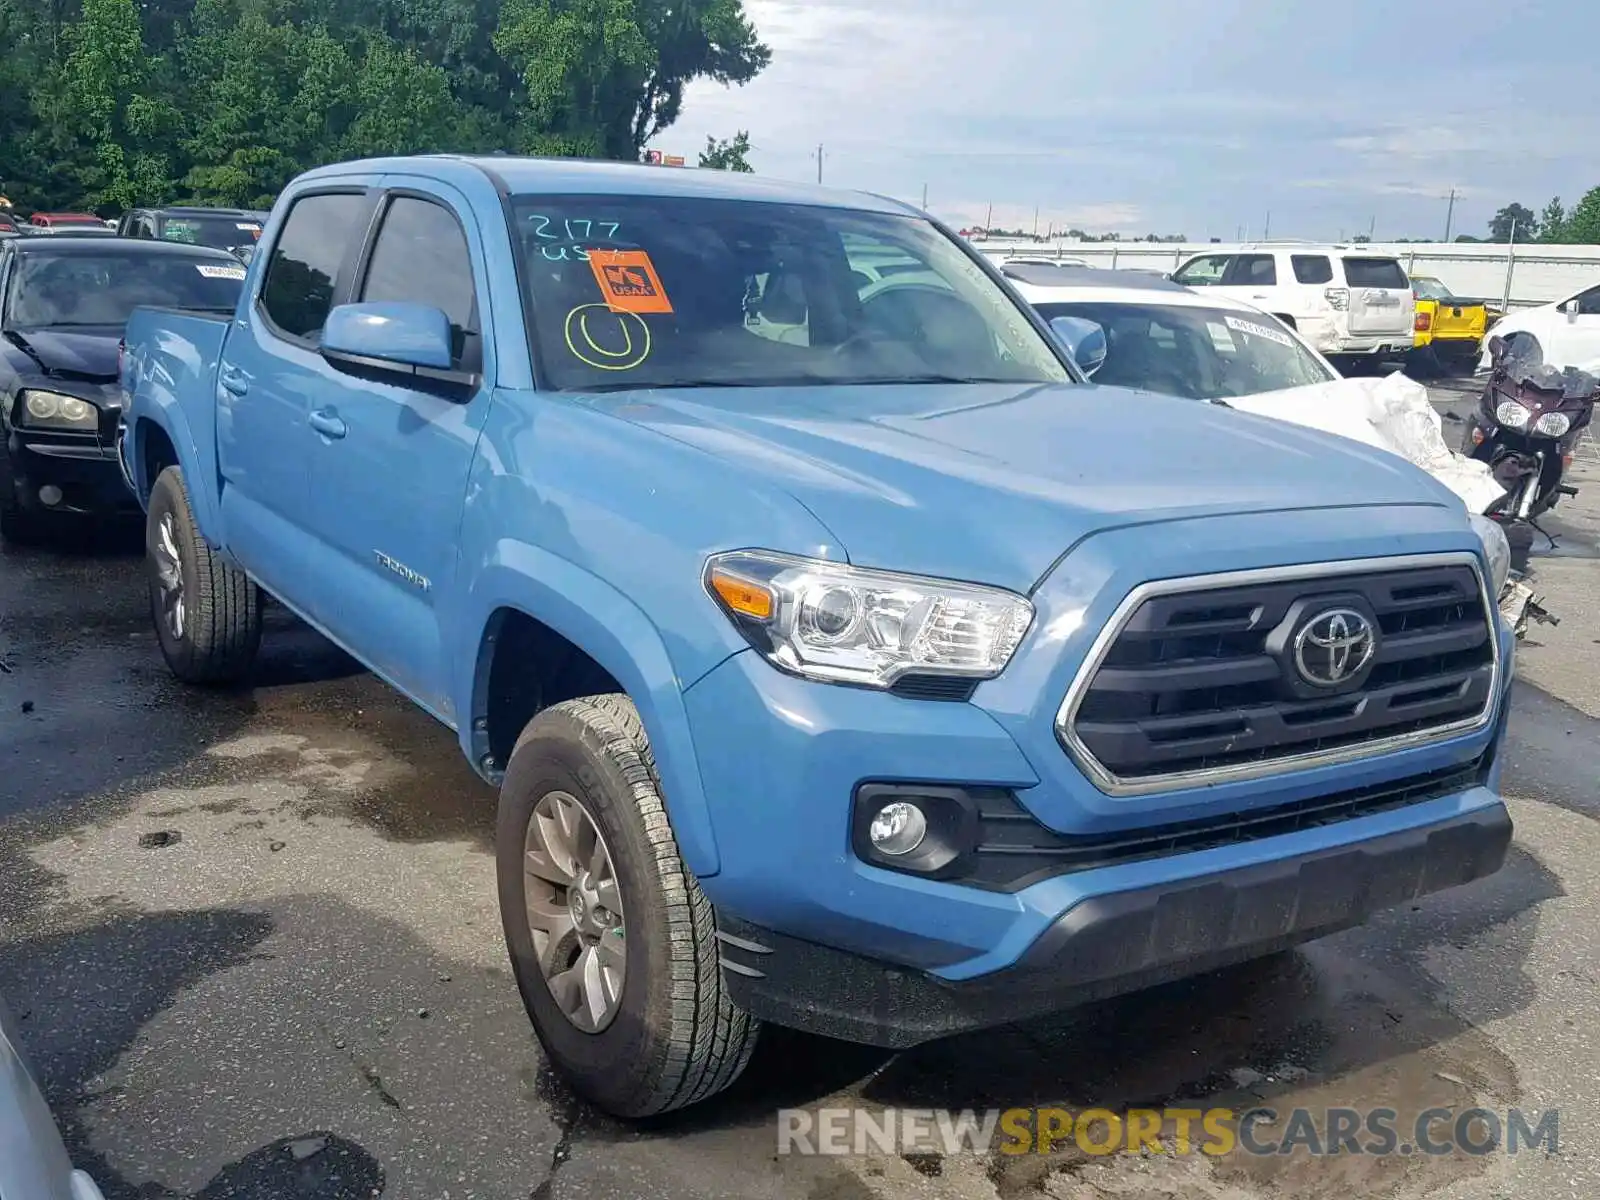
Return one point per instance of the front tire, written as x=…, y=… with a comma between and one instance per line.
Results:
x=629, y=1005
x=207, y=613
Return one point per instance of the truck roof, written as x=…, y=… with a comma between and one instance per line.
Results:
x=518, y=175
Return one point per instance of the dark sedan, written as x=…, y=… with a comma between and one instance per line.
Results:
x=64, y=301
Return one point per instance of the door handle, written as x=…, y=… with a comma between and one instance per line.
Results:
x=326, y=422
x=232, y=380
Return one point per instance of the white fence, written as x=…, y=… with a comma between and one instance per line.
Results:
x=1519, y=275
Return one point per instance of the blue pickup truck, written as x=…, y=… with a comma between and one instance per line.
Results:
x=844, y=658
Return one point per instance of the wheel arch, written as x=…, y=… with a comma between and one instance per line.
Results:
x=532, y=602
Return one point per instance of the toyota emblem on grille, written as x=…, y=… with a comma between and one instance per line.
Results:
x=1333, y=646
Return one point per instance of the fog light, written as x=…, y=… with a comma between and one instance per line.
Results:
x=49, y=495
x=898, y=828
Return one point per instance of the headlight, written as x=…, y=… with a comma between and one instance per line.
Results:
x=1553, y=424
x=1495, y=548
x=845, y=625
x=1511, y=414
x=50, y=410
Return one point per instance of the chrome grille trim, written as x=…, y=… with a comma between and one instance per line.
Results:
x=1113, y=785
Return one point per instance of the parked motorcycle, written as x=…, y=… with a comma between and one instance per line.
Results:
x=1527, y=425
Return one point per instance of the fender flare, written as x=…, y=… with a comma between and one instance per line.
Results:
x=617, y=634
x=168, y=416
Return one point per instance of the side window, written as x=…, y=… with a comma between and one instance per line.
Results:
x=1253, y=270
x=1589, y=302
x=421, y=257
x=1203, y=271
x=1312, y=268
x=304, y=270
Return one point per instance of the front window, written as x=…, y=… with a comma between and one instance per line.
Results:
x=217, y=232
x=103, y=289
x=650, y=292
x=1204, y=271
x=1198, y=353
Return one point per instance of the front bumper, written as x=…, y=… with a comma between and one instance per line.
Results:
x=1113, y=943
x=1233, y=867
x=84, y=471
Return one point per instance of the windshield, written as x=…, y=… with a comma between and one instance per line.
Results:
x=104, y=289
x=1199, y=353
x=1430, y=289
x=650, y=292
x=217, y=232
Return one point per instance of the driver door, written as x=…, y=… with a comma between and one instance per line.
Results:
x=391, y=455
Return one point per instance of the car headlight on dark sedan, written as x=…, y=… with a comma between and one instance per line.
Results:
x=52, y=410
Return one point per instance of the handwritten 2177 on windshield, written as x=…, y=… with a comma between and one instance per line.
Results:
x=578, y=230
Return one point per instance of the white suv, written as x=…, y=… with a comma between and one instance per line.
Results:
x=1346, y=301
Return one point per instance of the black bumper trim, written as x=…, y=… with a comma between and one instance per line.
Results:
x=1113, y=944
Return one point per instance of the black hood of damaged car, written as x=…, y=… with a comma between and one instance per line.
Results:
x=88, y=354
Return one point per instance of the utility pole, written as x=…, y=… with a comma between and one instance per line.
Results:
x=819, y=162
x=1372, y=227
x=924, y=197
x=988, y=222
x=1450, y=214
x=1035, y=220
x=1266, y=230
x=1238, y=234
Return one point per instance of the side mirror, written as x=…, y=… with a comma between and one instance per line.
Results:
x=1571, y=309
x=1497, y=347
x=1084, y=340
x=394, y=338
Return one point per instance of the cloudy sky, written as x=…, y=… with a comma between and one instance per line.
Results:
x=1176, y=116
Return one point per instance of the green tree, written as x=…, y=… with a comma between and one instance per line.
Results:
x=114, y=102
x=728, y=154
x=403, y=105
x=1583, y=222
x=1553, y=222
x=1512, y=214
x=122, y=121
x=583, y=64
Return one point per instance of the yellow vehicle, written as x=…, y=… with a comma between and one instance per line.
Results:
x=1449, y=329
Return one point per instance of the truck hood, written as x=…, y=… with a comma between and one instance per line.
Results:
x=993, y=483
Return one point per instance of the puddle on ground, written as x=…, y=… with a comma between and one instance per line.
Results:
x=1308, y=1029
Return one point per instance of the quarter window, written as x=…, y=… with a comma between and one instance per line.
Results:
x=303, y=273
x=421, y=257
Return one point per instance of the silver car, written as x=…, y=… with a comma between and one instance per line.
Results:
x=33, y=1161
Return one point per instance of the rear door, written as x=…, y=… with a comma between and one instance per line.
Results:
x=271, y=376
x=391, y=482
x=1254, y=277
x=1381, y=301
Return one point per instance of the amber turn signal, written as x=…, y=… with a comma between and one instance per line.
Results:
x=742, y=596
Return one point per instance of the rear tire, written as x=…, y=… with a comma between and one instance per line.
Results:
x=207, y=613
x=668, y=1035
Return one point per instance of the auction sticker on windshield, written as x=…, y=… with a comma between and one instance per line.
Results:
x=218, y=271
x=1261, y=331
x=628, y=281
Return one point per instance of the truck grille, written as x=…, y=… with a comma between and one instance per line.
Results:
x=1206, y=680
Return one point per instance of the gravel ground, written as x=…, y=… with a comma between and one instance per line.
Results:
x=253, y=942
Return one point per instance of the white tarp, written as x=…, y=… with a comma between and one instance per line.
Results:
x=1393, y=414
